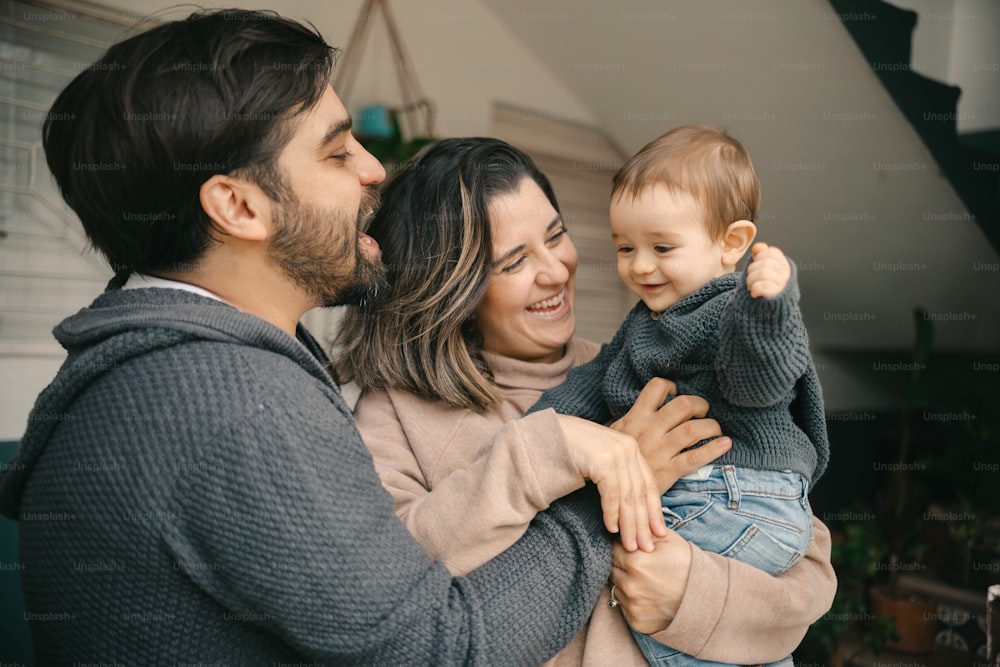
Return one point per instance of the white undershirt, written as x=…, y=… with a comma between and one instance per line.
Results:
x=701, y=473
x=140, y=280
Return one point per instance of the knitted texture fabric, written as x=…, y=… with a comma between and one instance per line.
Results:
x=749, y=358
x=191, y=488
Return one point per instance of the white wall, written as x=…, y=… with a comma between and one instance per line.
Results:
x=932, y=37
x=464, y=58
x=956, y=42
x=26, y=374
x=975, y=63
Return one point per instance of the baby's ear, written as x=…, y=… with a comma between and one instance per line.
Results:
x=736, y=241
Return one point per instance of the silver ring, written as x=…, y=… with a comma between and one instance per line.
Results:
x=613, y=601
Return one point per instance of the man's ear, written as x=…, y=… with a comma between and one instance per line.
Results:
x=237, y=208
x=736, y=241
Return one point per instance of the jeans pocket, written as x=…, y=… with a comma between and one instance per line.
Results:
x=788, y=521
x=682, y=507
x=756, y=547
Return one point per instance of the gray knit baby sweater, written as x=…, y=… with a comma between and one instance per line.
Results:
x=191, y=489
x=749, y=358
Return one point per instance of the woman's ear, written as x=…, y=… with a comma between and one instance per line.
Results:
x=736, y=241
x=237, y=208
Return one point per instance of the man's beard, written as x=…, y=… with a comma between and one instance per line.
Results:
x=319, y=249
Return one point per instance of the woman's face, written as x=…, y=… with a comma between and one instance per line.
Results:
x=527, y=313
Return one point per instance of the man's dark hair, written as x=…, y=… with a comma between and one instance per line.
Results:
x=164, y=111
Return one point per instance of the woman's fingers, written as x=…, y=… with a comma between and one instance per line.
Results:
x=650, y=586
x=649, y=419
x=666, y=431
x=629, y=493
x=653, y=395
x=674, y=459
x=662, y=434
x=678, y=411
x=625, y=494
x=689, y=461
x=627, y=529
x=641, y=504
x=657, y=524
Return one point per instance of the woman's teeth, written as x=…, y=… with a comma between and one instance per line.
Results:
x=551, y=302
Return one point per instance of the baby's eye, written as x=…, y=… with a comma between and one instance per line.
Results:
x=661, y=248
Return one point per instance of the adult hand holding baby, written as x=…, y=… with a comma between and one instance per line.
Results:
x=630, y=497
x=666, y=430
x=650, y=453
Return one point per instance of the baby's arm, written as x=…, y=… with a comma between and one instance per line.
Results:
x=763, y=344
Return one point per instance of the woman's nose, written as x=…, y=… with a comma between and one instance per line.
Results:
x=554, y=271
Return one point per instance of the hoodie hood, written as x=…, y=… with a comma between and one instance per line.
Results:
x=124, y=324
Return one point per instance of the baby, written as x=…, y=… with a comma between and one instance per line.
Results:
x=682, y=217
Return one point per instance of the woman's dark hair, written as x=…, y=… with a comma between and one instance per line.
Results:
x=434, y=230
x=133, y=137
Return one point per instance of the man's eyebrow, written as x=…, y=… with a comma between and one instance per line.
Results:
x=513, y=251
x=335, y=131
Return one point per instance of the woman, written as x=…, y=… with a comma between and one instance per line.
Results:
x=478, y=322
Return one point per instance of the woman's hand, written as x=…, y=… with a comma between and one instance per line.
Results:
x=629, y=494
x=663, y=432
x=650, y=586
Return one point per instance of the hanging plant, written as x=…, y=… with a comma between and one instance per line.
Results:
x=392, y=134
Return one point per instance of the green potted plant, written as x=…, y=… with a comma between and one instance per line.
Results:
x=912, y=616
x=964, y=505
x=850, y=626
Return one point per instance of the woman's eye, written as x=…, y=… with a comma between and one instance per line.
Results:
x=558, y=235
x=342, y=156
x=513, y=266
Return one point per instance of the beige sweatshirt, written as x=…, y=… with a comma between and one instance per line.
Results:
x=467, y=484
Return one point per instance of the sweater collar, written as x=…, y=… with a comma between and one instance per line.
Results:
x=518, y=374
x=706, y=292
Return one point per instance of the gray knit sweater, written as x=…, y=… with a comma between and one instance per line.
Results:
x=191, y=488
x=749, y=358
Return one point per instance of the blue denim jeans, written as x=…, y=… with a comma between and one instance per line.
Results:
x=759, y=517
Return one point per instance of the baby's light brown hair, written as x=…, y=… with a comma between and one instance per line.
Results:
x=703, y=161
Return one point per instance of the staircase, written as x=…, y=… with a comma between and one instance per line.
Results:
x=883, y=33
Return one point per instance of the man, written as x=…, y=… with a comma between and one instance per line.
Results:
x=191, y=487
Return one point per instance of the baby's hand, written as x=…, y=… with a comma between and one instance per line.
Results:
x=769, y=272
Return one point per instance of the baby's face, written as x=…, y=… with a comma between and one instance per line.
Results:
x=665, y=252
